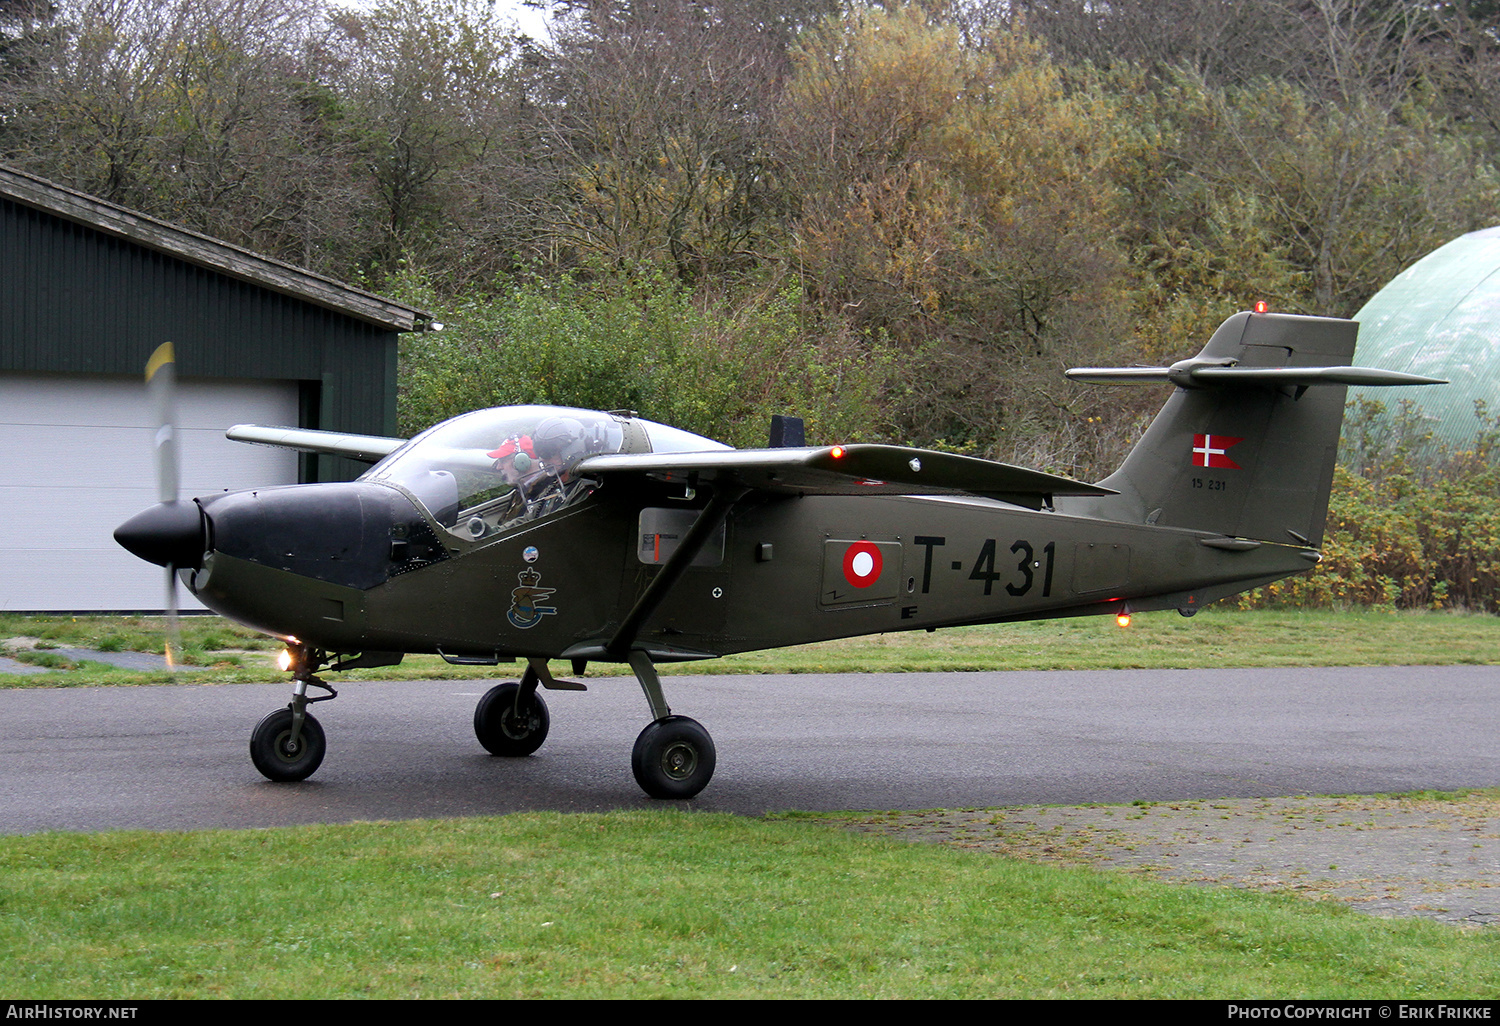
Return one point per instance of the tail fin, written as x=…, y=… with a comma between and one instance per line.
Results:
x=1245, y=446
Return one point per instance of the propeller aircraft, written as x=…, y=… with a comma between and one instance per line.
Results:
x=551, y=534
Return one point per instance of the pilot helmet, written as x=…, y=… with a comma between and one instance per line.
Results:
x=561, y=440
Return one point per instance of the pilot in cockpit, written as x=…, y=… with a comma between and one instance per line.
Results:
x=517, y=463
x=561, y=443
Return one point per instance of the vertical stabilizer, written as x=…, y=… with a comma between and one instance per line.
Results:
x=1245, y=446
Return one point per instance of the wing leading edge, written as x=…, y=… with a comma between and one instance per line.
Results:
x=366, y=448
x=847, y=470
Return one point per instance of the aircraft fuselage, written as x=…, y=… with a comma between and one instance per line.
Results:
x=360, y=567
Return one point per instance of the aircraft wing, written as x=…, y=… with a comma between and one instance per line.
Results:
x=367, y=448
x=847, y=470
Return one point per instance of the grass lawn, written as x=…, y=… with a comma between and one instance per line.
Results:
x=666, y=904
x=227, y=653
x=675, y=903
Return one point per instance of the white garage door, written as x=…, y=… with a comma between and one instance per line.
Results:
x=76, y=462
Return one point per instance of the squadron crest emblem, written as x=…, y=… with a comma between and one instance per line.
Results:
x=525, y=611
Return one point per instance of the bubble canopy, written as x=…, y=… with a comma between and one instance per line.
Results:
x=485, y=472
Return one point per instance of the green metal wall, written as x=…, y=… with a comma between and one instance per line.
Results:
x=75, y=299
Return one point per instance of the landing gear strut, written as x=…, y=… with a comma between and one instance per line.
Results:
x=289, y=744
x=674, y=756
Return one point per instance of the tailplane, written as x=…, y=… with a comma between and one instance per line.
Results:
x=1245, y=446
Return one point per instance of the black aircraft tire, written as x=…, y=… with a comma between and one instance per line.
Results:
x=271, y=751
x=501, y=731
x=673, y=758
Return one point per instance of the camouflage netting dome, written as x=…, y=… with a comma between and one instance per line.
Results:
x=1441, y=317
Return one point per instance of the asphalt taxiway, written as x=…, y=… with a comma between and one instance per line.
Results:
x=175, y=756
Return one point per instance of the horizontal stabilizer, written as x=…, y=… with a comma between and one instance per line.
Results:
x=848, y=470
x=1213, y=373
x=1245, y=445
x=366, y=448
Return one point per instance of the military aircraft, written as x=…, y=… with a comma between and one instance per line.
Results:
x=542, y=533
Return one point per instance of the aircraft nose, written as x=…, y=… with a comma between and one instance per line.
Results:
x=167, y=534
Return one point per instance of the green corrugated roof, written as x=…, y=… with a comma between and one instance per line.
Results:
x=214, y=254
x=1440, y=317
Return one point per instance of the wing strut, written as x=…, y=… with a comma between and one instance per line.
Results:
x=673, y=756
x=697, y=536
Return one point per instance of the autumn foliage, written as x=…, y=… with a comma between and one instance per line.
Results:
x=901, y=220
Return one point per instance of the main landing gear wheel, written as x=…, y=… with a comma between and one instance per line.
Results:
x=280, y=758
x=506, y=729
x=673, y=758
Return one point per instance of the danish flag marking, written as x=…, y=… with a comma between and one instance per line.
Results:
x=1213, y=451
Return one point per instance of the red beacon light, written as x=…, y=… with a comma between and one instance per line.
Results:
x=837, y=452
x=1261, y=306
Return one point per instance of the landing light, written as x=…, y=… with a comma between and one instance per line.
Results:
x=284, y=659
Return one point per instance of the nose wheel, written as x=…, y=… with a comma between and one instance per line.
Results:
x=282, y=754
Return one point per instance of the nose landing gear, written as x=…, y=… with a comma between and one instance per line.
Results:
x=285, y=751
x=289, y=744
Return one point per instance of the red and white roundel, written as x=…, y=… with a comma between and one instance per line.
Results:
x=862, y=564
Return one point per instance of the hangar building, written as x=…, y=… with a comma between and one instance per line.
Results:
x=87, y=291
x=1441, y=318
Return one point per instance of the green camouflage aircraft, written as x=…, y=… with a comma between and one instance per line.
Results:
x=545, y=533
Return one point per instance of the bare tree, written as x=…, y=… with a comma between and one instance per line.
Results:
x=1333, y=48
x=207, y=114
x=654, y=118
x=425, y=85
x=1224, y=41
x=1462, y=56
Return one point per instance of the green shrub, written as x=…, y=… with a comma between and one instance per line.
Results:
x=715, y=365
x=1413, y=521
